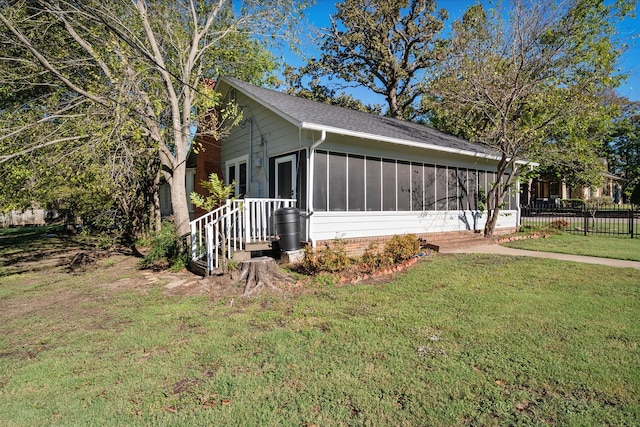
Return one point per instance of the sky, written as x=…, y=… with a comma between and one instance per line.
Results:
x=628, y=33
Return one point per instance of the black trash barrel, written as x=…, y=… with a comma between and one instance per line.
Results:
x=287, y=222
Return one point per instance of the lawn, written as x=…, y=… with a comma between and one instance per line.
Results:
x=591, y=245
x=454, y=340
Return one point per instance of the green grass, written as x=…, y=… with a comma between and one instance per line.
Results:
x=611, y=227
x=457, y=340
x=592, y=245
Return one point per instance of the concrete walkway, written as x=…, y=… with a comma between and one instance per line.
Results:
x=503, y=250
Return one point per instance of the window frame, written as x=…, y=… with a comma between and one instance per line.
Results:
x=236, y=164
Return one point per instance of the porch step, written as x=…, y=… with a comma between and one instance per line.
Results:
x=198, y=267
x=258, y=246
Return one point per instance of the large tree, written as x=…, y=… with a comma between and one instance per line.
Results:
x=140, y=65
x=383, y=45
x=624, y=146
x=527, y=81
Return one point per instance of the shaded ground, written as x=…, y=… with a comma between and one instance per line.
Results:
x=78, y=269
x=71, y=262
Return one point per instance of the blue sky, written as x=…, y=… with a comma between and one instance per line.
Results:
x=628, y=33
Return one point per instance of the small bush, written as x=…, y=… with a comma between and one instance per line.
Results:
x=330, y=259
x=572, y=203
x=164, y=250
x=602, y=202
x=400, y=248
x=334, y=258
x=559, y=224
x=371, y=258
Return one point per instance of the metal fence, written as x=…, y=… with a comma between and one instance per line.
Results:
x=616, y=222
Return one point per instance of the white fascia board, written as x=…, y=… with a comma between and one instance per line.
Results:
x=311, y=126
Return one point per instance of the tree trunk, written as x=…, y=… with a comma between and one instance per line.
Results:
x=179, y=200
x=492, y=219
x=493, y=209
x=261, y=273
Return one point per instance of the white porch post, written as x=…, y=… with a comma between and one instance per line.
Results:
x=310, y=168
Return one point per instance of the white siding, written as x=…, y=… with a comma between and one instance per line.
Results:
x=345, y=225
x=270, y=135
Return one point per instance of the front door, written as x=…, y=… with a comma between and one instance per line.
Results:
x=286, y=177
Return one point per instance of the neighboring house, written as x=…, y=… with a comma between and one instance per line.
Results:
x=26, y=218
x=357, y=177
x=550, y=191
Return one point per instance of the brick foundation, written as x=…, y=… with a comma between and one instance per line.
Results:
x=356, y=246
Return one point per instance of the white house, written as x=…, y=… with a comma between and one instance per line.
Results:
x=356, y=176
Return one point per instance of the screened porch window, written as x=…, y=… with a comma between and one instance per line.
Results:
x=349, y=182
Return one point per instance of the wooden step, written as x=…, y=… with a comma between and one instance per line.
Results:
x=199, y=267
x=258, y=246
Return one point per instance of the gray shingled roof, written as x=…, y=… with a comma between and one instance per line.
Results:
x=309, y=114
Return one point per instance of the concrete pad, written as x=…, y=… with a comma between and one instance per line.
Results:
x=292, y=257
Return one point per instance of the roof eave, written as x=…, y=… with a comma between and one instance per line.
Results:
x=364, y=135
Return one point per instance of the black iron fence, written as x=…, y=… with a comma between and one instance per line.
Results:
x=618, y=222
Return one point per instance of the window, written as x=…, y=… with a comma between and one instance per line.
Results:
x=417, y=182
x=404, y=186
x=429, y=187
x=472, y=191
x=355, y=183
x=441, y=188
x=337, y=182
x=320, y=181
x=453, y=185
x=373, y=183
x=237, y=172
x=388, y=185
x=349, y=182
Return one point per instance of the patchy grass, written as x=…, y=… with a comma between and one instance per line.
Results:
x=456, y=340
x=592, y=245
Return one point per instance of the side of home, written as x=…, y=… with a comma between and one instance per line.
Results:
x=355, y=176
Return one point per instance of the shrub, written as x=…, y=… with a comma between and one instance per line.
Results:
x=333, y=258
x=559, y=224
x=595, y=203
x=371, y=258
x=572, y=203
x=330, y=259
x=165, y=250
x=400, y=248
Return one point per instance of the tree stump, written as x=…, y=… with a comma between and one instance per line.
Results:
x=260, y=273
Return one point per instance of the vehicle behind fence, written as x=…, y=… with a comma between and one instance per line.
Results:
x=616, y=222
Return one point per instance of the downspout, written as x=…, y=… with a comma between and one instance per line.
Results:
x=311, y=154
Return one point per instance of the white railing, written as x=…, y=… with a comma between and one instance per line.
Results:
x=258, y=217
x=228, y=228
